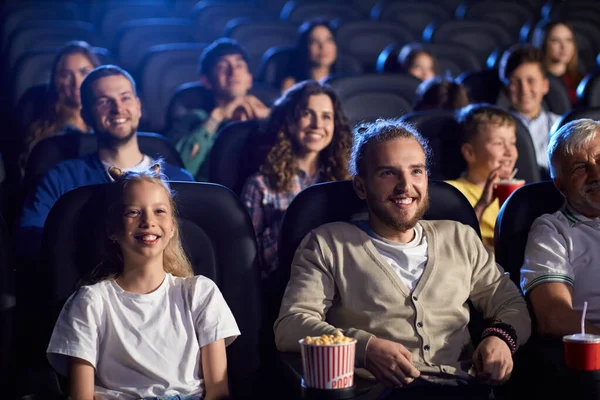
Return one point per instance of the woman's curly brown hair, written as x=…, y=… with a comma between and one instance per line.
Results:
x=280, y=166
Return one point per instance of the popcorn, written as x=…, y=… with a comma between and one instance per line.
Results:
x=327, y=340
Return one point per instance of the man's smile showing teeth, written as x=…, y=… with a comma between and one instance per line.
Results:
x=405, y=201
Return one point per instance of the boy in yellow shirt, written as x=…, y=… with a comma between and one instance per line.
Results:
x=489, y=146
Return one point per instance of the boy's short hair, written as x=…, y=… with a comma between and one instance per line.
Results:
x=516, y=56
x=474, y=116
x=217, y=49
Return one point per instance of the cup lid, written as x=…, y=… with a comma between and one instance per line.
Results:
x=582, y=338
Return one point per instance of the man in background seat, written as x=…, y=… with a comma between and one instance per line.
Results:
x=224, y=71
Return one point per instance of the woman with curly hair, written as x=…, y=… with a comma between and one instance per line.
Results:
x=312, y=145
x=71, y=64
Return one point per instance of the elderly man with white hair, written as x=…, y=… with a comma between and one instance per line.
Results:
x=562, y=258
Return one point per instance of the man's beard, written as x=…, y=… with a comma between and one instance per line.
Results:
x=387, y=218
x=107, y=139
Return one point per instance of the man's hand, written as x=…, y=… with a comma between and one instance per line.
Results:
x=241, y=109
x=219, y=114
x=390, y=362
x=493, y=360
x=259, y=110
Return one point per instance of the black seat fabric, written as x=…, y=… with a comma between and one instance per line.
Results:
x=412, y=15
x=515, y=219
x=175, y=64
x=259, y=36
x=31, y=105
x=43, y=34
x=50, y=151
x=7, y=309
x=25, y=11
x=557, y=99
x=217, y=236
x=118, y=14
x=366, y=39
x=483, y=37
x=239, y=150
x=273, y=68
x=214, y=16
x=372, y=96
x=136, y=37
x=511, y=15
x=588, y=91
x=591, y=113
x=192, y=96
x=299, y=11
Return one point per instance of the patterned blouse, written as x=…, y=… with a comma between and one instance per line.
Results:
x=266, y=207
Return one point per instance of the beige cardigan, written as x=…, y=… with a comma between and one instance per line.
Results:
x=338, y=279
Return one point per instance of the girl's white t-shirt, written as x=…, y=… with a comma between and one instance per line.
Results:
x=142, y=345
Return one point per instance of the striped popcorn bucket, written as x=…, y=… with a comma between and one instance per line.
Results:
x=328, y=366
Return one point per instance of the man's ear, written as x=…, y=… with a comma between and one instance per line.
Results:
x=468, y=152
x=358, y=184
x=205, y=82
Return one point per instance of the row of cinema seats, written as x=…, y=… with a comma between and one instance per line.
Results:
x=365, y=97
x=248, y=143
x=114, y=30
x=219, y=238
x=161, y=46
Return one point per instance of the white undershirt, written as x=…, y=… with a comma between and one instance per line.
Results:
x=406, y=259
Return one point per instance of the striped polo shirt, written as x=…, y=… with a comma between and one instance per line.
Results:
x=565, y=247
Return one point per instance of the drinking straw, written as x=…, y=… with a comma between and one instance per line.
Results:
x=583, y=318
x=514, y=173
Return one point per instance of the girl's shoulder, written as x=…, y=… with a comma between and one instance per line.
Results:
x=198, y=289
x=193, y=284
x=87, y=296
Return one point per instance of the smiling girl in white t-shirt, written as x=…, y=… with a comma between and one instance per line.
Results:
x=149, y=328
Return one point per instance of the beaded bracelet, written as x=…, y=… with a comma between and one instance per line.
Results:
x=503, y=334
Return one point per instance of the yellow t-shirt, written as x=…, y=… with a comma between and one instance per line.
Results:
x=488, y=219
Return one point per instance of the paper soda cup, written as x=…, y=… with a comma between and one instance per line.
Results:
x=328, y=366
x=506, y=187
x=582, y=352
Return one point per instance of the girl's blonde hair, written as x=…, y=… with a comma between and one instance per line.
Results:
x=175, y=260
